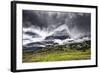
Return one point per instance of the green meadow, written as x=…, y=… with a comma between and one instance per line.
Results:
x=58, y=53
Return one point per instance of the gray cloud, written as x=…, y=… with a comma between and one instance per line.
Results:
x=49, y=20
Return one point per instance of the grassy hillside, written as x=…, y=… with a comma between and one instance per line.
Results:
x=76, y=51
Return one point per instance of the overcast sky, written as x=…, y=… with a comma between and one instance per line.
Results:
x=50, y=20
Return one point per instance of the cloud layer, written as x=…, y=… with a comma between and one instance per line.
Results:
x=46, y=22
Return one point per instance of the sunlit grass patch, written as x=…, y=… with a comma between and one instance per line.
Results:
x=56, y=56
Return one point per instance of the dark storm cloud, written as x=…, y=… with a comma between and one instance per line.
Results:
x=80, y=22
x=30, y=18
x=42, y=18
x=49, y=20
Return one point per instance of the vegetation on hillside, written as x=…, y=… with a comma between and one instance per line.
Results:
x=68, y=51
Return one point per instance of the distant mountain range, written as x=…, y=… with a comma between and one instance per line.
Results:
x=33, y=40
